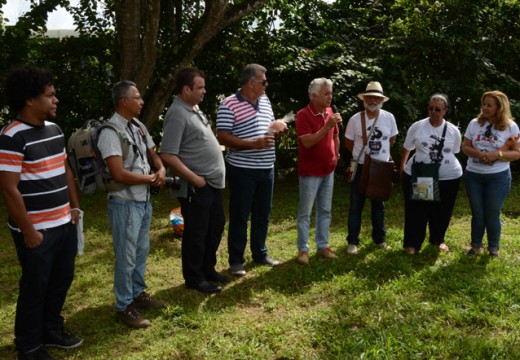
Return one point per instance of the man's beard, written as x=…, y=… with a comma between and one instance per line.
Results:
x=373, y=107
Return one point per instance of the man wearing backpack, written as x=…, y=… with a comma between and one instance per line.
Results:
x=40, y=196
x=129, y=208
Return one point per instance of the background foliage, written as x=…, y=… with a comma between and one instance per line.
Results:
x=414, y=48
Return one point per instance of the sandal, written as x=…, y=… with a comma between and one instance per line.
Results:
x=443, y=247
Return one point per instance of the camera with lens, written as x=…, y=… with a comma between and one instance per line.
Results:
x=172, y=182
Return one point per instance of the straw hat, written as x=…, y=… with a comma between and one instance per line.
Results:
x=374, y=88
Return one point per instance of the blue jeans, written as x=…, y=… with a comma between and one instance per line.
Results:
x=487, y=194
x=47, y=273
x=355, y=213
x=130, y=225
x=315, y=189
x=250, y=192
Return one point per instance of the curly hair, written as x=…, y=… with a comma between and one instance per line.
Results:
x=24, y=83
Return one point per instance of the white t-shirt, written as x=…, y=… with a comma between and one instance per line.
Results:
x=425, y=140
x=378, y=146
x=481, y=142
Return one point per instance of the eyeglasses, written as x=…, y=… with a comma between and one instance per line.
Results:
x=436, y=109
x=263, y=82
x=488, y=131
x=134, y=97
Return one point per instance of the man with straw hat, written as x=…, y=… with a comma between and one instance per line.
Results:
x=380, y=130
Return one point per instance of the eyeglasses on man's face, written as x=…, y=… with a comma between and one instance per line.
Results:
x=263, y=82
x=436, y=109
x=137, y=98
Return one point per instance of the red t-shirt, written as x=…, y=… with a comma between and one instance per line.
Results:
x=319, y=160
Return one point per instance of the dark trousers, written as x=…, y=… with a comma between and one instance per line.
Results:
x=47, y=273
x=355, y=214
x=250, y=192
x=419, y=214
x=204, y=222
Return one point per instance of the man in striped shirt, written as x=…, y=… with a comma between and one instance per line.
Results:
x=243, y=122
x=40, y=196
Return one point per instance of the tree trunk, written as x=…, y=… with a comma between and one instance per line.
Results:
x=144, y=59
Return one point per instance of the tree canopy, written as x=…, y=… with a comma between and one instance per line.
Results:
x=414, y=48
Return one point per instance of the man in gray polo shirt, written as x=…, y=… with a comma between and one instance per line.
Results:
x=190, y=149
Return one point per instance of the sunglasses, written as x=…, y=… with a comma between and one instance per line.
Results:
x=263, y=82
x=436, y=109
x=203, y=118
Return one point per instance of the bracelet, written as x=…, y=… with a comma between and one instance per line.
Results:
x=500, y=154
x=75, y=209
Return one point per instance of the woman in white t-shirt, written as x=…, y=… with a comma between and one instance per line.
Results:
x=491, y=141
x=434, y=140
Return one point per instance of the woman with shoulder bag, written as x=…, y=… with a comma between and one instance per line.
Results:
x=431, y=177
x=491, y=141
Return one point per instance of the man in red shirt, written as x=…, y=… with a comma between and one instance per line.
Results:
x=318, y=147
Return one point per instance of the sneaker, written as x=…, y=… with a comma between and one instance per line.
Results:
x=131, y=317
x=327, y=253
x=383, y=245
x=62, y=339
x=37, y=354
x=473, y=252
x=352, y=249
x=303, y=258
x=237, y=270
x=443, y=247
x=409, y=250
x=144, y=301
x=268, y=261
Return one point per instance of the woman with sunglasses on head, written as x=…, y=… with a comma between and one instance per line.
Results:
x=491, y=141
x=435, y=141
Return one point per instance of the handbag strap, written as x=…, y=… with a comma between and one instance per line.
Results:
x=364, y=129
x=441, y=142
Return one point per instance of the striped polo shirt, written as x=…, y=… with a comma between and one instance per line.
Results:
x=38, y=154
x=239, y=117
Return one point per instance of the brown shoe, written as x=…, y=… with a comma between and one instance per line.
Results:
x=131, y=317
x=144, y=301
x=327, y=253
x=303, y=258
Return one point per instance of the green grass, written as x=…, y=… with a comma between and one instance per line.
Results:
x=377, y=305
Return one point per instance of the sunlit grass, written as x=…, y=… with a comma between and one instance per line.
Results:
x=377, y=305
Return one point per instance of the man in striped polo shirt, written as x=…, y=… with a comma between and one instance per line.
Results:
x=40, y=196
x=243, y=121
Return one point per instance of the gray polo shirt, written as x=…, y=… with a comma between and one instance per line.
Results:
x=188, y=134
x=136, y=161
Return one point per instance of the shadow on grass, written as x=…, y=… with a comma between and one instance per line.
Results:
x=291, y=278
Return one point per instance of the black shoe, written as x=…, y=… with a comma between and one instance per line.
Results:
x=218, y=278
x=206, y=287
x=38, y=354
x=267, y=261
x=62, y=339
